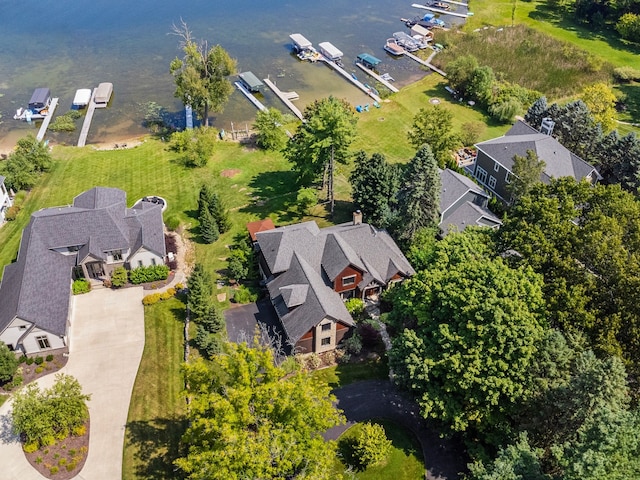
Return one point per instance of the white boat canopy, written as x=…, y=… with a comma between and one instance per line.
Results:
x=330, y=51
x=82, y=97
x=300, y=42
x=103, y=94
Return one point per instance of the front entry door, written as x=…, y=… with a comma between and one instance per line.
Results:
x=95, y=269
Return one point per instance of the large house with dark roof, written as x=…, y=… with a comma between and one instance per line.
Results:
x=462, y=204
x=309, y=272
x=494, y=161
x=88, y=239
x=5, y=200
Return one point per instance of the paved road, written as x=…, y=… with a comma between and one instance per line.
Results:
x=370, y=399
x=106, y=344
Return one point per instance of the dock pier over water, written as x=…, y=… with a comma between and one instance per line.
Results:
x=285, y=97
x=82, y=141
x=47, y=119
x=349, y=77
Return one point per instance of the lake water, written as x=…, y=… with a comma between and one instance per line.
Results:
x=71, y=44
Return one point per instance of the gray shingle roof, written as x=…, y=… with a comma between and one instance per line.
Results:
x=453, y=186
x=470, y=214
x=37, y=286
x=559, y=161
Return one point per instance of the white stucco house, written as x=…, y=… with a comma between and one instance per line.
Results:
x=87, y=239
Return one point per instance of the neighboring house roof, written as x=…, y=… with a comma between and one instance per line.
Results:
x=560, y=162
x=36, y=287
x=305, y=260
x=457, y=214
x=259, y=226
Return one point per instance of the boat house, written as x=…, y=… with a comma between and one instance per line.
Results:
x=81, y=98
x=103, y=94
x=330, y=51
x=300, y=43
x=250, y=81
x=368, y=61
x=40, y=99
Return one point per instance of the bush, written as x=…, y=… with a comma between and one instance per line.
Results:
x=81, y=286
x=471, y=132
x=313, y=361
x=208, y=343
x=53, y=470
x=353, y=344
x=152, y=273
x=8, y=363
x=355, y=306
x=15, y=382
x=369, y=335
x=79, y=430
x=30, y=447
x=119, y=277
x=172, y=223
x=29, y=361
x=39, y=369
x=179, y=286
x=342, y=357
x=39, y=360
x=22, y=359
x=244, y=295
x=626, y=74
x=151, y=299
x=371, y=446
x=49, y=358
x=12, y=213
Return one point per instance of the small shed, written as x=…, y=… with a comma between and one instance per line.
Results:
x=103, y=94
x=40, y=99
x=300, y=43
x=423, y=32
x=250, y=81
x=368, y=61
x=330, y=51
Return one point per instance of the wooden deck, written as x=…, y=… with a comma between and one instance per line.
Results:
x=426, y=63
x=91, y=108
x=47, y=120
x=250, y=96
x=285, y=97
x=377, y=77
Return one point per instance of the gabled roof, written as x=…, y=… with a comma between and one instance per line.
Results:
x=36, y=287
x=560, y=162
x=259, y=226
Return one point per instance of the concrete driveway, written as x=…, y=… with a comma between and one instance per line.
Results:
x=106, y=344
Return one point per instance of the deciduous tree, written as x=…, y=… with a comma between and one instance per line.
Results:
x=601, y=102
x=371, y=445
x=247, y=421
x=23, y=166
x=526, y=173
x=8, y=363
x=433, y=125
x=201, y=75
x=271, y=133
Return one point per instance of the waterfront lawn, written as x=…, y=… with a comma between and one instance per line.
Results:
x=341, y=375
x=156, y=414
x=535, y=13
x=404, y=462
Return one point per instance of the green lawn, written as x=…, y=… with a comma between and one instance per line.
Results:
x=155, y=423
x=405, y=461
x=3, y=398
x=341, y=375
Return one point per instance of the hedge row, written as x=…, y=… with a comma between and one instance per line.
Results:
x=156, y=297
x=152, y=273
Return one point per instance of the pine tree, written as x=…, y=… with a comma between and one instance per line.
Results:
x=210, y=201
x=419, y=200
x=200, y=290
x=536, y=112
x=208, y=227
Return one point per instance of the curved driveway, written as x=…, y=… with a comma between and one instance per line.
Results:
x=106, y=344
x=370, y=399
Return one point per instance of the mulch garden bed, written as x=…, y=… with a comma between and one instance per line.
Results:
x=34, y=371
x=159, y=283
x=63, y=460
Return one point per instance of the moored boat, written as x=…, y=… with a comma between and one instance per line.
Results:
x=38, y=106
x=393, y=48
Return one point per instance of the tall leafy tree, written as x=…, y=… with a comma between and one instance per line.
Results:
x=28, y=160
x=526, y=173
x=322, y=141
x=601, y=102
x=8, y=363
x=433, y=125
x=477, y=326
x=246, y=420
x=374, y=183
x=271, y=133
x=419, y=198
x=201, y=75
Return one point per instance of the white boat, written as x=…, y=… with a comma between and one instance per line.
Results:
x=38, y=106
x=81, y=98
x=406, y=42
x=103, y=94
x=393, y=48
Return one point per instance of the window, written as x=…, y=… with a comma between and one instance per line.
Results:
x=117, y=255
x=325, y=341
x=22, y=327
x=481, y=174
x=153, y=261
x=492, y=181
x=496, y=167
x=350, y=280
x=43, y=342
x=140, y=263
x=326, y=327
x=507, y=177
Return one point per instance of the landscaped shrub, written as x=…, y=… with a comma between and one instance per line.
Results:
x=30, y=447
x=208, y=343
x=172, y=223
x=355, y=306
x=244, y=295
x=170, y=244
x=39, y=360
x=371, y=445
x=151, y=299
x=313, y=361
x=626, y=74
x=152, y=273
x=29, y=361
x=22, y=359
x=81, y=286
x=8, y=363
x=12, y=213
x=369, y=335
x=119, y=277
x=353, y=344
x=49, y=358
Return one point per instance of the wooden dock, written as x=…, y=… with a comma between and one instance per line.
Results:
x=250, y=96
x=349, y=77
x=455, y=3
x=87, y=120
x=47, y=119
x=285, y=97
x=439, y=10
x=426, y=63
x=377, y=77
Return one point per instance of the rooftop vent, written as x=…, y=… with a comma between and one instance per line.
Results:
x=357, y=217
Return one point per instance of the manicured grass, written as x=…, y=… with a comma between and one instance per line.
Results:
x=536, y=14
x=155, y=422
x=3, y=398
x=405, y=461
x=342, y=375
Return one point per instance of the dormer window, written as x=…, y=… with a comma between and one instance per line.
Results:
x=117, y=255
x=350, y=280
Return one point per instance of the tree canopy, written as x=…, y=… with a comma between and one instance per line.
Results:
x=247, y=421
x=526, y=173
x=322, y=141
x=25, y=164
x=271, y=132
x=201, y=75
x=433, y=125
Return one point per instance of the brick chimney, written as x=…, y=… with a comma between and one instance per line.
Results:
x=357, y=217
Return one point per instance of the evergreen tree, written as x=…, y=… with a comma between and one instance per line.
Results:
x=374, y=183
x=536, y=113
x=208, y=227
x=200, y=290
x=209, y=201
x=419, y=199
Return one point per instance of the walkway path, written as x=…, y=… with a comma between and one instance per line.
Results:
x=370, y=399
x=106, y=344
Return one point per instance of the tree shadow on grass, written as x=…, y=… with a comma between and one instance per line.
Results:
x=277, y=193
x=632, y=101
x=157, y=444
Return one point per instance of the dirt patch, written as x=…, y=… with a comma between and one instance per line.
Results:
x=63, y=460
x=230, y=173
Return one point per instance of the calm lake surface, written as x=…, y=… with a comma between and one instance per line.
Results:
x=70, y=44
